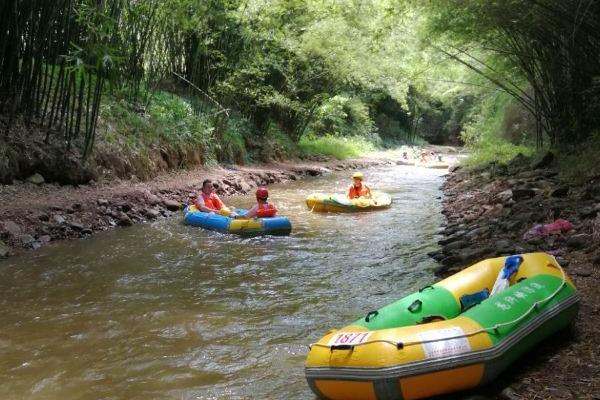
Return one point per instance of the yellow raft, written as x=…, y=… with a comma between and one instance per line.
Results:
x=340, y=203
x=438, y=340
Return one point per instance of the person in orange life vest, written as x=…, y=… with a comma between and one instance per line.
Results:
x=262, y=209
x=357, y=189
x=208, y=201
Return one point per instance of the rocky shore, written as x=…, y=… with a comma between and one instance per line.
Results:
x=500, y=210
x=35, y=213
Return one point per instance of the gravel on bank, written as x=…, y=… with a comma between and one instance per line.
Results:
x=489, y=212
x=35, y=213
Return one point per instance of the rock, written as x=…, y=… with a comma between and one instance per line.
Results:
x=36, y=179
x=76, y=226
x=474, y=254
x=172, y=205
x=125, y=207
x=509, y=394
x=245, y=186
x=504, y=246
x=543, y=162
x=454, y=168
x=86, y=231
x=59, y=219
x=478, y=233
x=12, y=228
x=579, y=240
x=4, y=250
x=522, y=193
x=124, y=220
x=45, y=239
x=43, y=217
x=562, y=191
x=584, y=272
x=152, y=199
x=26, y=240
x=457, y=245
x=152, y=213
x=596, y=259
x=588, y=212
x=504, y=196
x=102, y=202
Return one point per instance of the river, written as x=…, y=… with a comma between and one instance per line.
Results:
x=167, y=311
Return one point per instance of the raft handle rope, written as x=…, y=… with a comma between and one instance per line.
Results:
x=495, y=328
x=415, y=306
x=370, y=315
x=425, y=287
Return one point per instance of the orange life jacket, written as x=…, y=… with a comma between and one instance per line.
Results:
x=266, y=210
x=211, y=201
x=354, y=192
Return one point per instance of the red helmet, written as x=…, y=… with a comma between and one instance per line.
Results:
x=262, y=193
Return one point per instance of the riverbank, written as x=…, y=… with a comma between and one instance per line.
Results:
x=35, y=214
x=501, y=210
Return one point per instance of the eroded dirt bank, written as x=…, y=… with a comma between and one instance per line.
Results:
x=32, y=215
x=491, y=212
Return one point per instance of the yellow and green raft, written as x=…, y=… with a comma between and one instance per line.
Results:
x=437, y=340
x=340, y=203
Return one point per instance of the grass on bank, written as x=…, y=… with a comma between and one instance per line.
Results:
x=339, y=147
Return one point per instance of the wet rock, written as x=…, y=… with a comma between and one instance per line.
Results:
x=457, y=245
x=36, y=179
x=562, y=191
x=152, y=199
x=58, y=219
x=470, y=255
x=172, y=205
x=579, y=241
x=454, y=168
x=77, y=207
x=478, y=233
x=26, y=240
x=4, y=250
x=436, y=255
x=12, y=228
x=76, y=226
x=45, y=239
x=152, y=213
x=124, y=220
x=86, y=231
x=102, y=202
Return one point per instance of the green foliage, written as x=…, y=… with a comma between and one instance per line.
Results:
x=339, y=147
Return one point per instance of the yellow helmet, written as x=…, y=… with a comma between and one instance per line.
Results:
x=357, y=175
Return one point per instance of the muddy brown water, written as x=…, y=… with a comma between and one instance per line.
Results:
x=167, y=311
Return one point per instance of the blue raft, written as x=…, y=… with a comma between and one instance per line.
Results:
x=247, y=227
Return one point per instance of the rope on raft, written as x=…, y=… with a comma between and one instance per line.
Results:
x=400, y=345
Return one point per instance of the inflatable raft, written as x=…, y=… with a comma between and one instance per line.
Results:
x=340, y=203
x=446, y=337
x=251, y=227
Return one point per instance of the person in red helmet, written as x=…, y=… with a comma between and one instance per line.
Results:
x=262, y=209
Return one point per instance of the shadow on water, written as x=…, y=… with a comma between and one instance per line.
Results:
x=170, y=311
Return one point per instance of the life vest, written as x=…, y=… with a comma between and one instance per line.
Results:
x=211, y=201
x=354, y=193
x=266, y=210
